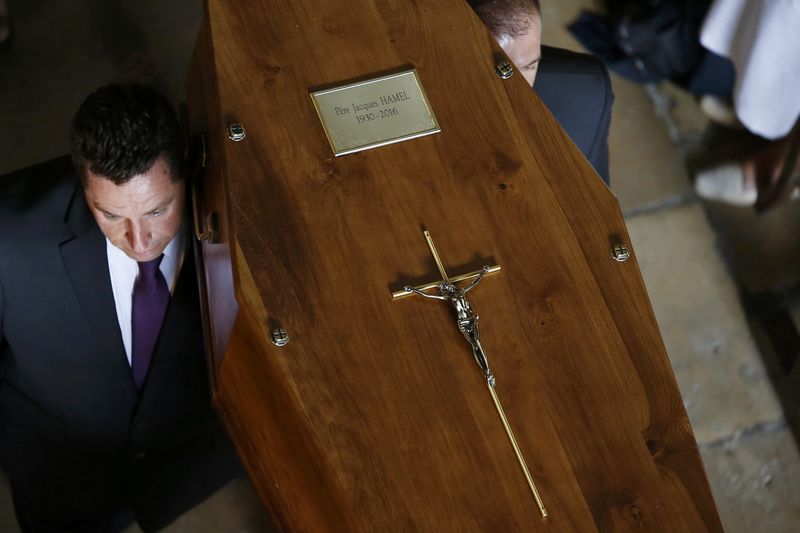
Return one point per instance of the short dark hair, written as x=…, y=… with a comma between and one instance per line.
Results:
x=121, y=129
x=506, y=18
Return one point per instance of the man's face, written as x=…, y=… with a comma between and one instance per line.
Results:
x=141, y=216
x=525, y=51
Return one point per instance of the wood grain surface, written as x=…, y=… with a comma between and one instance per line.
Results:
x=375, y=417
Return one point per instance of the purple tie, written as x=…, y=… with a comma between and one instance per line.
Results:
x=150, y=299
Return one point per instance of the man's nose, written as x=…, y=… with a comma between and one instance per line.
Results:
x=139, y=236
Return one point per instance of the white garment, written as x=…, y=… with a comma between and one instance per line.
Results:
x=124, y=270
x=762, y=39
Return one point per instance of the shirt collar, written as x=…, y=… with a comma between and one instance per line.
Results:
x=176, y=246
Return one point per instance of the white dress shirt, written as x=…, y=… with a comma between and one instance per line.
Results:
x=124, y=270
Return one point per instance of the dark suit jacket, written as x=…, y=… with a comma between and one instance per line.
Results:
x=577, y=91
x=75, y=434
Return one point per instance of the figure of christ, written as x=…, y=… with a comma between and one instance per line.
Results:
x=466, y=319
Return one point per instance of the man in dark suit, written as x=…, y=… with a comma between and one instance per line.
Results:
x=105, y=412
x=575, y=87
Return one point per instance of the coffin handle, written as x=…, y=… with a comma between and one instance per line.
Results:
x=211, y=231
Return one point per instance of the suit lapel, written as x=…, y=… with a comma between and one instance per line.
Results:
x=86, y=264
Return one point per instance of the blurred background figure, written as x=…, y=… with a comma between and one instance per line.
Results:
x=762, y=40
x=649, y=41
x=733, y=56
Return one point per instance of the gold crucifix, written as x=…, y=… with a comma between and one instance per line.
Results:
x=467, y=322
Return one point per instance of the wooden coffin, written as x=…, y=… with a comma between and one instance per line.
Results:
x=374, y=416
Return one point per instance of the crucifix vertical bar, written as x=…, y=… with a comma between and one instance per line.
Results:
x=518, y=452
x=436, y=256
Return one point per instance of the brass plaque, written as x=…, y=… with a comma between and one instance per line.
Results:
x=376, y=112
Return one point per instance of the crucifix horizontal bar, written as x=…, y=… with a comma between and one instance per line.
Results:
x=455, y=279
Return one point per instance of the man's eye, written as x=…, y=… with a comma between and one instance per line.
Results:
x=157, y=212
x=109, y=216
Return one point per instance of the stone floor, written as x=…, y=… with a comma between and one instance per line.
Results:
x=63, y=50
